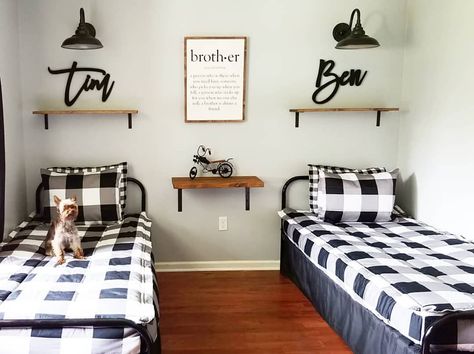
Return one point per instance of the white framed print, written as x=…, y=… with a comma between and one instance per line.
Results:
x=215, y=71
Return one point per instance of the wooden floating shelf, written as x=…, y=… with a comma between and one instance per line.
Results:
x=47, y=113
x=246, y=182
x=379, y=111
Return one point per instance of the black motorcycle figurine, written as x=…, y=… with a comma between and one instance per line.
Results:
x=222, y=167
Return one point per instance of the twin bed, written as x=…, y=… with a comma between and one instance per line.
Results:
x=397, y=286
x=105, y=303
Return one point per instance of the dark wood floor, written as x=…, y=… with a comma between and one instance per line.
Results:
x=240, y=313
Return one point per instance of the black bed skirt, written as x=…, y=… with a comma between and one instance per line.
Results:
x=360, y=329
x=156, y=346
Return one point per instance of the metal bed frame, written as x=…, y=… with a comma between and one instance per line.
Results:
x=431, y=331
x=147, y=345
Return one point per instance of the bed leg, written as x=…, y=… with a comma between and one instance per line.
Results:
x=283, y=256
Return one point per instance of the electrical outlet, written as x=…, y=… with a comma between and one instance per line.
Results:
x=222, y=223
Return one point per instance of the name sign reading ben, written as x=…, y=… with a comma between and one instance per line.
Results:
x=215, y=70
x=328, y=82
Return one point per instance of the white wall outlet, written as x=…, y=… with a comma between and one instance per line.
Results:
x=222, y=223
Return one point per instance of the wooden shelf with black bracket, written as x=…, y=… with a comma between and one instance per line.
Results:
x=379, y=111
x=47, y=113
x=246, y=182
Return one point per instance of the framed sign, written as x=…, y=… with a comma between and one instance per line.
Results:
x=214, y=78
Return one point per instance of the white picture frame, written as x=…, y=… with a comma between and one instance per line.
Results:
x=215, y=70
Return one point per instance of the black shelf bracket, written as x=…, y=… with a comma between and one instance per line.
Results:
x=379, y=113
x=377, y=122
x=247, y=199
x=180, y=200
x=46, y=121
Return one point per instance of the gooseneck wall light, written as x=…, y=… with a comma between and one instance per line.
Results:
x=353, y=38
x=84, y=38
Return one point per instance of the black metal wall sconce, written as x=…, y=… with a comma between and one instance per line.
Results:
x=84, y=38
x=353, y=38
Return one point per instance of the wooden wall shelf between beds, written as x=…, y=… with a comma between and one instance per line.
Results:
x=246, y=182
x=379, y=111
x=47, y=113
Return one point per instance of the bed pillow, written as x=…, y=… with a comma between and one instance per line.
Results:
x=344, y=197
x=100, y=191
x=314, y=179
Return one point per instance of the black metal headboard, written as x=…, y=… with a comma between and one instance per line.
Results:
x=287, y=184
x=39, y=189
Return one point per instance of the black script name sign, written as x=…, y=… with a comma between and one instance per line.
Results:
x=350, y=77
x=88, y=84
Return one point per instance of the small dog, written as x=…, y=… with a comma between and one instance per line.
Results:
x=62, y=234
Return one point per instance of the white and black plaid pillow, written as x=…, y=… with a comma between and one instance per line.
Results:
x=314, y=179
x=100, y=191
x=344, y=197
x=120, y=167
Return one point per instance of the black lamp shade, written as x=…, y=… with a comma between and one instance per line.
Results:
x=84, y=38
x=357, y=42
x=81, y=42
x=353, y=38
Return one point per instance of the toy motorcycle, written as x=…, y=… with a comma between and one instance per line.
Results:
x=222, y=167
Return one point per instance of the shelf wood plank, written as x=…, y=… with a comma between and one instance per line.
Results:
x=371, y=109
x=87, y=111
x=379, y=111
x=217, y=182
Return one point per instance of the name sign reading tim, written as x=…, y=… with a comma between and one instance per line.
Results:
x=93, y=79
x=215, y=71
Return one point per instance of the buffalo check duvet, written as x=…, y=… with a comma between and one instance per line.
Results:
x=405, y=272
x=115, y=280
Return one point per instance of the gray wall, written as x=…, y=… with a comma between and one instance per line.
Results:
x=437, y=126
x=143, y=52
x=15, y=195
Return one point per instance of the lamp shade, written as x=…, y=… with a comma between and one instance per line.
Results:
x=355, y=38
x=84, y=38
x=357, y=42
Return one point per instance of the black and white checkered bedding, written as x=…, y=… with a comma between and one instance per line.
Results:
x=314, y=179
x=356, y=196
x=121, y=168
x=405, y=272
x=115, y=280
x=100, y=191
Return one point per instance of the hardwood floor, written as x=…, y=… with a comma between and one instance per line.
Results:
x=240, y=313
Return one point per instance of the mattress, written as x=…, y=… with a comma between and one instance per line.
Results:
x=405, y=272
x=115, y=280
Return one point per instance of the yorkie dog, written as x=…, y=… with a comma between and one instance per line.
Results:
x=62, y=234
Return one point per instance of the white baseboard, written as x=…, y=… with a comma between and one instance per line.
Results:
x=216, y=266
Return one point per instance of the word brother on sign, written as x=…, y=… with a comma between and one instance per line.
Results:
x=351, y=77
x=215, y=57
x=88, y=84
